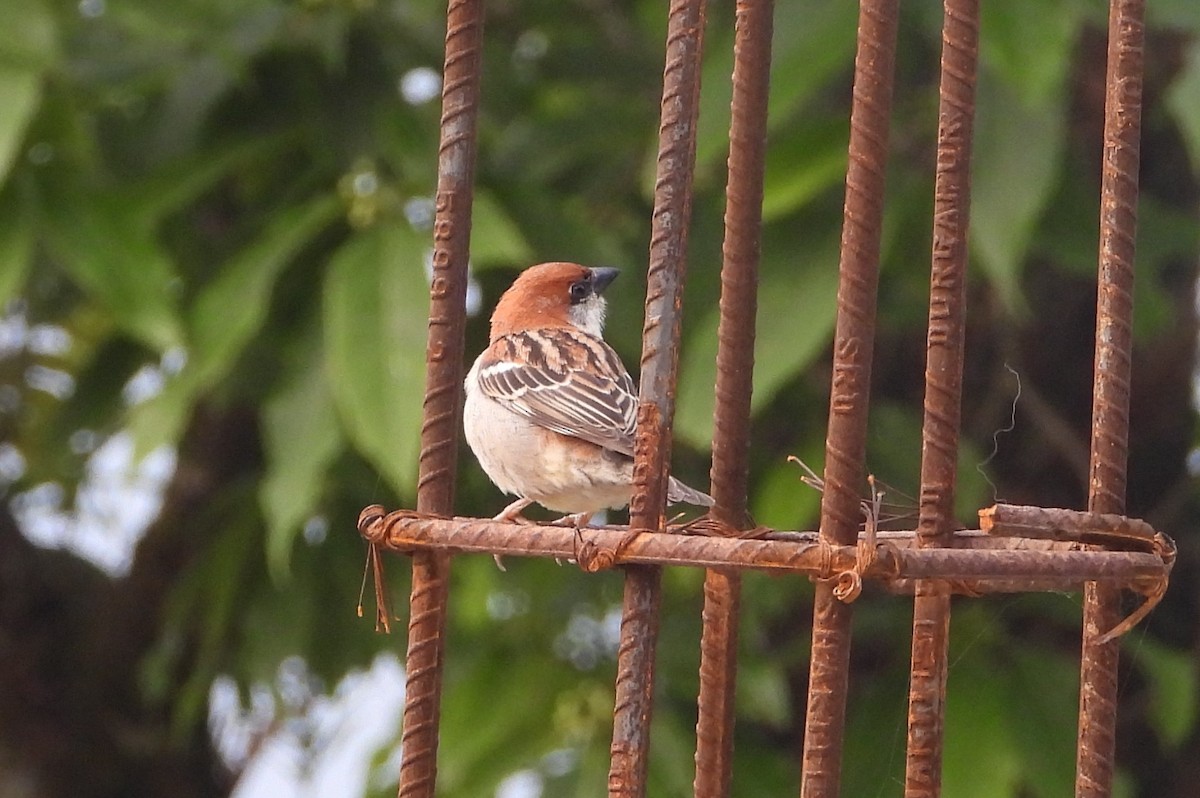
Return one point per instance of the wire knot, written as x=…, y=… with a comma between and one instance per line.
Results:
x=592, y=557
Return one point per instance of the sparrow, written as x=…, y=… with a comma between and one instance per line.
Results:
x=550, y=410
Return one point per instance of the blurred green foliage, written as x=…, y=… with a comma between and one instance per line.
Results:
x=244, y=187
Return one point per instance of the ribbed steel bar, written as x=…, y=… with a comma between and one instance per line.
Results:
x=998, y=564
x=983, y=587
x=735, y=369
x=943, y=392
x=718, y=680
x=1058, y=524
x=972, y=556
x=629, y=751
x=443, y=387
x=1110, y=400
x=845, y=446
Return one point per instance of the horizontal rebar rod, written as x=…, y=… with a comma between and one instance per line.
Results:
x=1059, y=524
x=1054, y=565
x=976, y=588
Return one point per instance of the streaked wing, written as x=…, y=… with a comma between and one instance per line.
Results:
x=568, y=382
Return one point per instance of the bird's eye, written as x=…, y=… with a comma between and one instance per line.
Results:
x=579, y=291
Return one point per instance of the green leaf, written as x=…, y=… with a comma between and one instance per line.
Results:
x=376, y=306
x=781, y=499
x=1043, y=728
x=671, y=769
x=1183, y=98
x=980, y=757
x=181, y=181
x=495, y=237
x=873, y=756
x=811, y=43
x=1174, y=13
x=28, y=38
x=19, y=94
x=160, y=420
x=1025, y=50
x=301, y=438
x=1173, y=690
x=475, y=759
x=793, y=327
x=1028, y=44
x=16, y=248
x=226, y=315
x=231, y=309
x=1017, y=153
x=763, y=695
x=112, y=254
x=803, y=165
x=27, y=48
x=216, y=588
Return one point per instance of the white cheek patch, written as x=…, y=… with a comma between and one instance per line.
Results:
x=588, y=315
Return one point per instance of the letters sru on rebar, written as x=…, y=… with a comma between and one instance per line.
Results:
x=853, y=346
x=1017, y=548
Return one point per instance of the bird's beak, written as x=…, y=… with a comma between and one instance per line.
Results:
x=602, y=276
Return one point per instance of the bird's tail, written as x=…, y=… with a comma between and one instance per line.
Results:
x=678, y=493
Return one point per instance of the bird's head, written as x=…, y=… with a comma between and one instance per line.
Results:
x=553, y=295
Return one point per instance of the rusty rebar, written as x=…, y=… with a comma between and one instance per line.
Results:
x=734, y=385
x=976, y=588
x=948, y=278
x=1110, y=400
x=1009, y=520
x=739, y=272
x=629, y=751
x=845, y=446
x=971, y=555
x=667, y=261
x=718, y=679
x=442, y=406
x=943, y=392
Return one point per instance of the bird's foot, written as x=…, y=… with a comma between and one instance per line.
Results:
x=577, y=520
x=511, y=514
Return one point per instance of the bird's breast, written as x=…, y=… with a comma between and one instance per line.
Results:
x=562, y=473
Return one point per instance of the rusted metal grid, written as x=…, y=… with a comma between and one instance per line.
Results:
x=1016, y=549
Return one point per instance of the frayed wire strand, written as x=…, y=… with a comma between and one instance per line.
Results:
x=872, y=509
x=383, y=604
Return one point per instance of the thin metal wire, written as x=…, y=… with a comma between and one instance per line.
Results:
x=943, y=393
x=735, y=369
x=629, y=751
x=845, y=446
x=443, y=381
x=1110, y=401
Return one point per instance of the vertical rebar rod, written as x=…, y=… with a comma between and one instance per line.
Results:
x=443, y=389
x=1110, y=399
x=735, y=369
x=943, y=392
x=845, y=444
x=718, y=679
x=660, y=360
